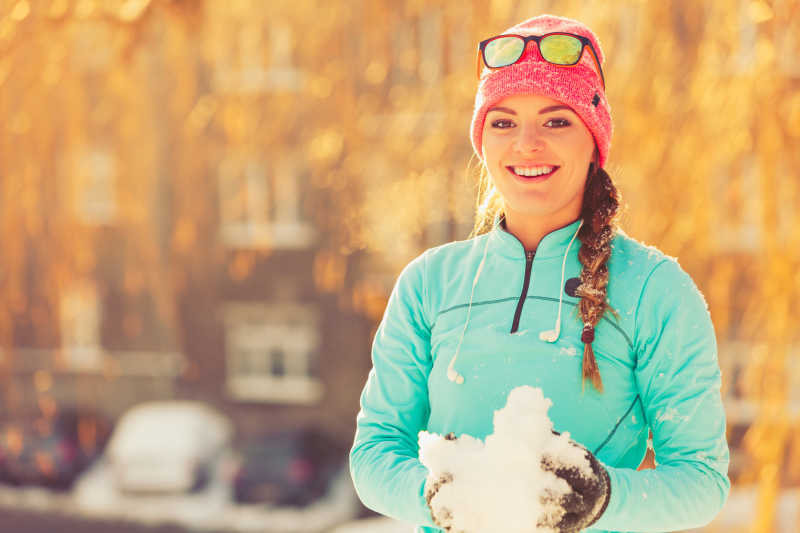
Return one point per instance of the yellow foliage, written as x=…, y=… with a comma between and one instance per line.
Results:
x=119, y=116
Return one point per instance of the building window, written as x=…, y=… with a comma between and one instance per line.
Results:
x=95, y=176
x=261, y=206
x=80, y=328
x=278, y=364
x=787, y=198
x=743, y=58
x=404, y=53
x=737, y=226
x=282, y=73
x=460, y=48
x=626, y=45
x=742, y=364
x=737, y=358
x=431, y=45
x=260, y=60
x=270, y=352
x=787, y=36
x=418, y=50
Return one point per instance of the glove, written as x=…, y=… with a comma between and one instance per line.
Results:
x=588, y=496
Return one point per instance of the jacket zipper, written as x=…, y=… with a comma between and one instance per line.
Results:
x=518, y=313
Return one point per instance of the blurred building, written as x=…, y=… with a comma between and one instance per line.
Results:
x=166, y=248
x=213, y=200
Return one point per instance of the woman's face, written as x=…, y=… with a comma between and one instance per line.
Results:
x=530, y=134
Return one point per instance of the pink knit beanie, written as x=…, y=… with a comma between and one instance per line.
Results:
x=578, y=86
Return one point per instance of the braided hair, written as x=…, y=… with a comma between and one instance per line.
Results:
x=600, y=207
x=601, y=201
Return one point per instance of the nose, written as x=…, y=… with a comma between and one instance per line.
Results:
x=528, y=139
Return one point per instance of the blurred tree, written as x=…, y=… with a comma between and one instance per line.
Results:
x=141, y=138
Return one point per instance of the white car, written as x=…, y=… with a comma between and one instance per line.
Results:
x=170, y=446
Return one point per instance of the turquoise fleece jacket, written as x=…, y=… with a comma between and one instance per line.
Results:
x=658, y=362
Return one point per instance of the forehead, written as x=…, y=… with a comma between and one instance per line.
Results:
x=529, y=103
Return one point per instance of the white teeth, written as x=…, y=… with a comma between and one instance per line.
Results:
x=532, y=171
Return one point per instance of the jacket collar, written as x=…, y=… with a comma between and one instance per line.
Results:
x=554, y=244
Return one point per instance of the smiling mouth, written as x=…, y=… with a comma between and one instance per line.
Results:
x=530, y=174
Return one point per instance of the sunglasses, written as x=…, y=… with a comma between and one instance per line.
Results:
x=562, y=49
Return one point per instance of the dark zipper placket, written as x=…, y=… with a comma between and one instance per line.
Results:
x=525, y=283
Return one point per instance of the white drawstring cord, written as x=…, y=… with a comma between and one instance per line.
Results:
x=452, y=375
x=552, y=334
x=549, y=336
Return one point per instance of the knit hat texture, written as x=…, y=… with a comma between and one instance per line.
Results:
x=579, y=86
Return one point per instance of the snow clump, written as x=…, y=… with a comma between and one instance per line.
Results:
x=496, y=485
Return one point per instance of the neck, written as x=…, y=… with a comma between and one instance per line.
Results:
x=530, y=230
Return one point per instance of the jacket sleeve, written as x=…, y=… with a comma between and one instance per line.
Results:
x=384, y=464
x=678, y=377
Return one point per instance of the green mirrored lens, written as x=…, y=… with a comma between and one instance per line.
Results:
x=503, y=51
x=561, y=49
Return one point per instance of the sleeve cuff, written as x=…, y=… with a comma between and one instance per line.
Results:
x=612, y=502
x=607, y=498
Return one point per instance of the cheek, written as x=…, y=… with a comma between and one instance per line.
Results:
x=582, y=146
x=489, y=147
x=494, y=138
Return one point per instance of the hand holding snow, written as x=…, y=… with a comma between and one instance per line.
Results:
x=499, y=484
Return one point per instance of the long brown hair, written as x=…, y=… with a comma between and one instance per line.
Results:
x=599, y=211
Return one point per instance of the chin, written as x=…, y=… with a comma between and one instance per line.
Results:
x=545, y=211
x=542, y=211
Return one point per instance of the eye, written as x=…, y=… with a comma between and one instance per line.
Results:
x=559, y=122
x=502, y=123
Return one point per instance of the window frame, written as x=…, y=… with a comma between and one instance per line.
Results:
x=291, y=328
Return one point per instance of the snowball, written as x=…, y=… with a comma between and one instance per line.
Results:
x=497, y=484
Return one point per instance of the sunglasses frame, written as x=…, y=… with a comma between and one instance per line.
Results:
x=585, y=41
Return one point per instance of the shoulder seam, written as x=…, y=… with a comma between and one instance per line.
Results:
x=636, y=311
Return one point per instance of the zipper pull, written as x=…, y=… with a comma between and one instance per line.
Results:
x=529, y=255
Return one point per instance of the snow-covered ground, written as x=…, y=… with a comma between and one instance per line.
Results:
x=211, y=509
x=374, y=525
x=738, y=516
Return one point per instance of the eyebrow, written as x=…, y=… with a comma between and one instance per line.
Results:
x=542, y=111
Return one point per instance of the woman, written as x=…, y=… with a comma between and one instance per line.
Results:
x=614, y=332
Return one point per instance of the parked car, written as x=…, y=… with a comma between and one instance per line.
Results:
x=171, y=446
x=291, y=468
x=51, y=451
